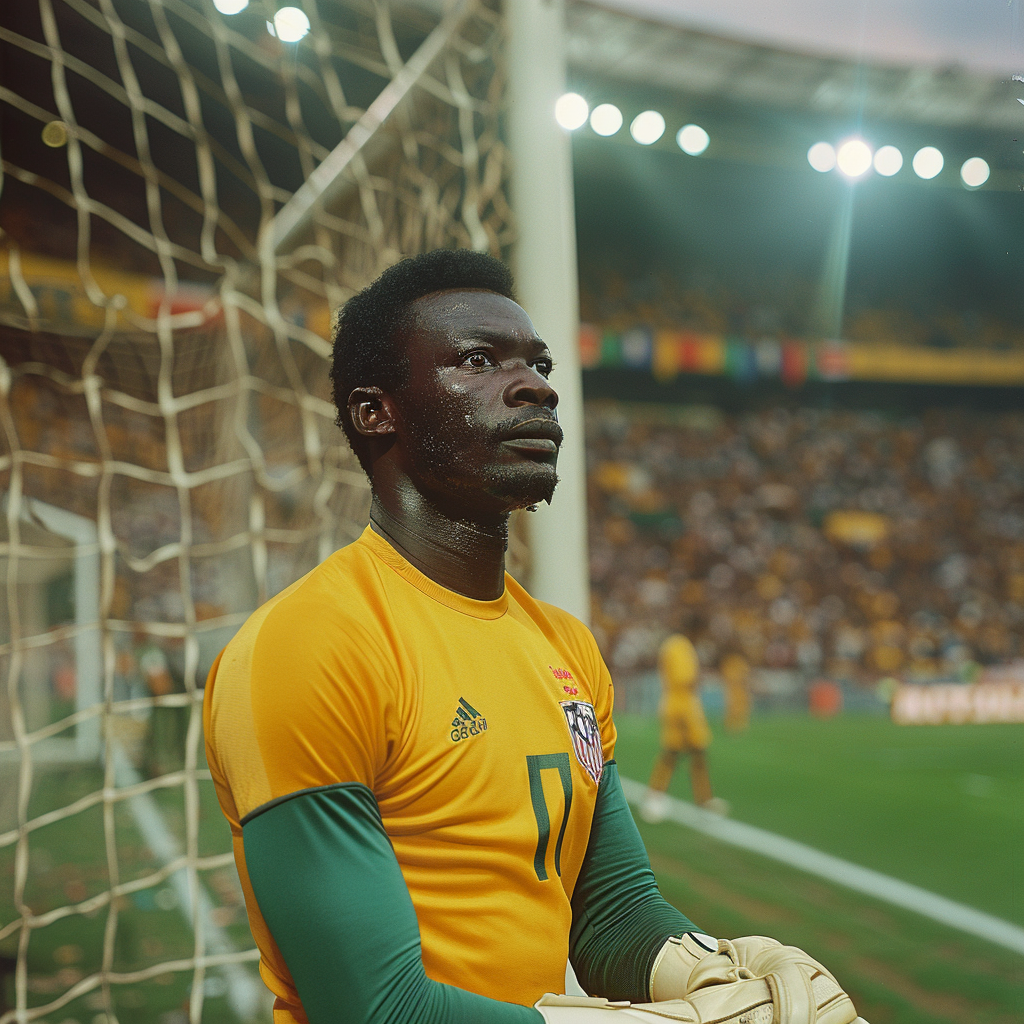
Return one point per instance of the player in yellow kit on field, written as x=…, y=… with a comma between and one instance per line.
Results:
x=414, y=756
x=684, y=730
x=735, y=670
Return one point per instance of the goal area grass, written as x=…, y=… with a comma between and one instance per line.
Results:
x=70, y=864
x=939, y=806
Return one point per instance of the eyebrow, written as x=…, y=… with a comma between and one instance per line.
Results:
x=483, y=334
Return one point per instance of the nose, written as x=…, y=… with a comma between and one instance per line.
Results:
x=530, y=388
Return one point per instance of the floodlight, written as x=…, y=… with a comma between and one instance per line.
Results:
x=888, y=160
x=927, y=162
x=291, y=24
x=647, y=127
x=692, y=139
x=571, y=111
x=230, y=6
x=822, y=157
x=974, y=172
x=854, y=158
x=606, y=119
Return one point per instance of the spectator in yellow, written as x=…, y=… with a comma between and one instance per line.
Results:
x=735, y=675
x=684, y=730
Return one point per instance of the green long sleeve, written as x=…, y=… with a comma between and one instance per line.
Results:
x=331, y=891
x=620, y=920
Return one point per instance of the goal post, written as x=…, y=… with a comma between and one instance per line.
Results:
x=54, y=543
x=544, y=260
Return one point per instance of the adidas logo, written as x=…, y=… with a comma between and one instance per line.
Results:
x=467, y=721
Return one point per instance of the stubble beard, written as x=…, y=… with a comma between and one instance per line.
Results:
x=445, y=468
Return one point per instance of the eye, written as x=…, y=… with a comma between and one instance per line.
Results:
x=478, y=360
x=544, y=367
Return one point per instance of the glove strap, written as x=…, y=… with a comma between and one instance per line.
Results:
x=675, y=960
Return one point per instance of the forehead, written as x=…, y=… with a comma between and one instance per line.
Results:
x=470, y=313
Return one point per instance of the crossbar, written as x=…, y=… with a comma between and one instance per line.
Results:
x=325, y=181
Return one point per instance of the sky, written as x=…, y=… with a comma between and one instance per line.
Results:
x=985, y=35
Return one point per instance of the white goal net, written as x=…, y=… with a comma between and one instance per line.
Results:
x=186, y=195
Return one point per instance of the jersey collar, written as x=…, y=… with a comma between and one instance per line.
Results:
x=459, y=602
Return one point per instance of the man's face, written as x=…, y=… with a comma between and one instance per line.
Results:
x=476, y=423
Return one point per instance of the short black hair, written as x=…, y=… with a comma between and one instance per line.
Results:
x=367, y=350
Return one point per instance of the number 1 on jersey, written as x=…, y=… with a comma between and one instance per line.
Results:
x=535, y=764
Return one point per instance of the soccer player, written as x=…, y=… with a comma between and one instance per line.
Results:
x=414, y=756
x=735, y=671
x=684, y=731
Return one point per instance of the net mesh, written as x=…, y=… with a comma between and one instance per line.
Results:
x=185, y=198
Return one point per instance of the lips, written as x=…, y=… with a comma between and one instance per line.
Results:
x=543, y=432
x=532, y=445
x=538, y=437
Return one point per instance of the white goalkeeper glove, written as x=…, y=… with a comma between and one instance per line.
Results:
x=753, y=980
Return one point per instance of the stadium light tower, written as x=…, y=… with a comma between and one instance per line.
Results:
x=927, y=162
x=647, y=127
x=853, y=158
x=571, y=111
x=888, y=161
x=975, y=172
x=291, y=24
x=692, y=139
x=606, y=119
x=546, y=279
x=822, y=157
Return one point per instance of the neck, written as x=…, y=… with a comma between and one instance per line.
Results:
x=459, y=554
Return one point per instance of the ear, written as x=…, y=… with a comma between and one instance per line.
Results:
x=371, y=412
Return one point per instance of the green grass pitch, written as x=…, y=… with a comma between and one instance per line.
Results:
x=942, y=807
x=68, y=863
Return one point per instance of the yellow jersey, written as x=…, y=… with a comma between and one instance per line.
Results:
x=684, y=725
x=481, y=728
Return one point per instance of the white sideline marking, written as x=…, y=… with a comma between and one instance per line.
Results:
x=244, y=991
x=872, y=883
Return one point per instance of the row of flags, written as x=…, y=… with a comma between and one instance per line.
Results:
x=668, y=353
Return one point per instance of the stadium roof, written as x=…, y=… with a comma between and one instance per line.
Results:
x=612, y=44
x=986, y=35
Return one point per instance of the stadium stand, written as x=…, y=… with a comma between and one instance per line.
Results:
x=848, y=544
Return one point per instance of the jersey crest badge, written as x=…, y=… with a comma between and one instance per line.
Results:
x=586, y=736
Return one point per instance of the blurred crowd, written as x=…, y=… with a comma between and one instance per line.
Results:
x=844, y=545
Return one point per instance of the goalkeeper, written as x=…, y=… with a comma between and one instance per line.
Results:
x=414, y=756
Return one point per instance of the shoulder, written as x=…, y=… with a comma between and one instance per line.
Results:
x=329, y=619
x=571, y=629
x=334, y=604
x=545, y=613
x=561, y=626
x=323, y=678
